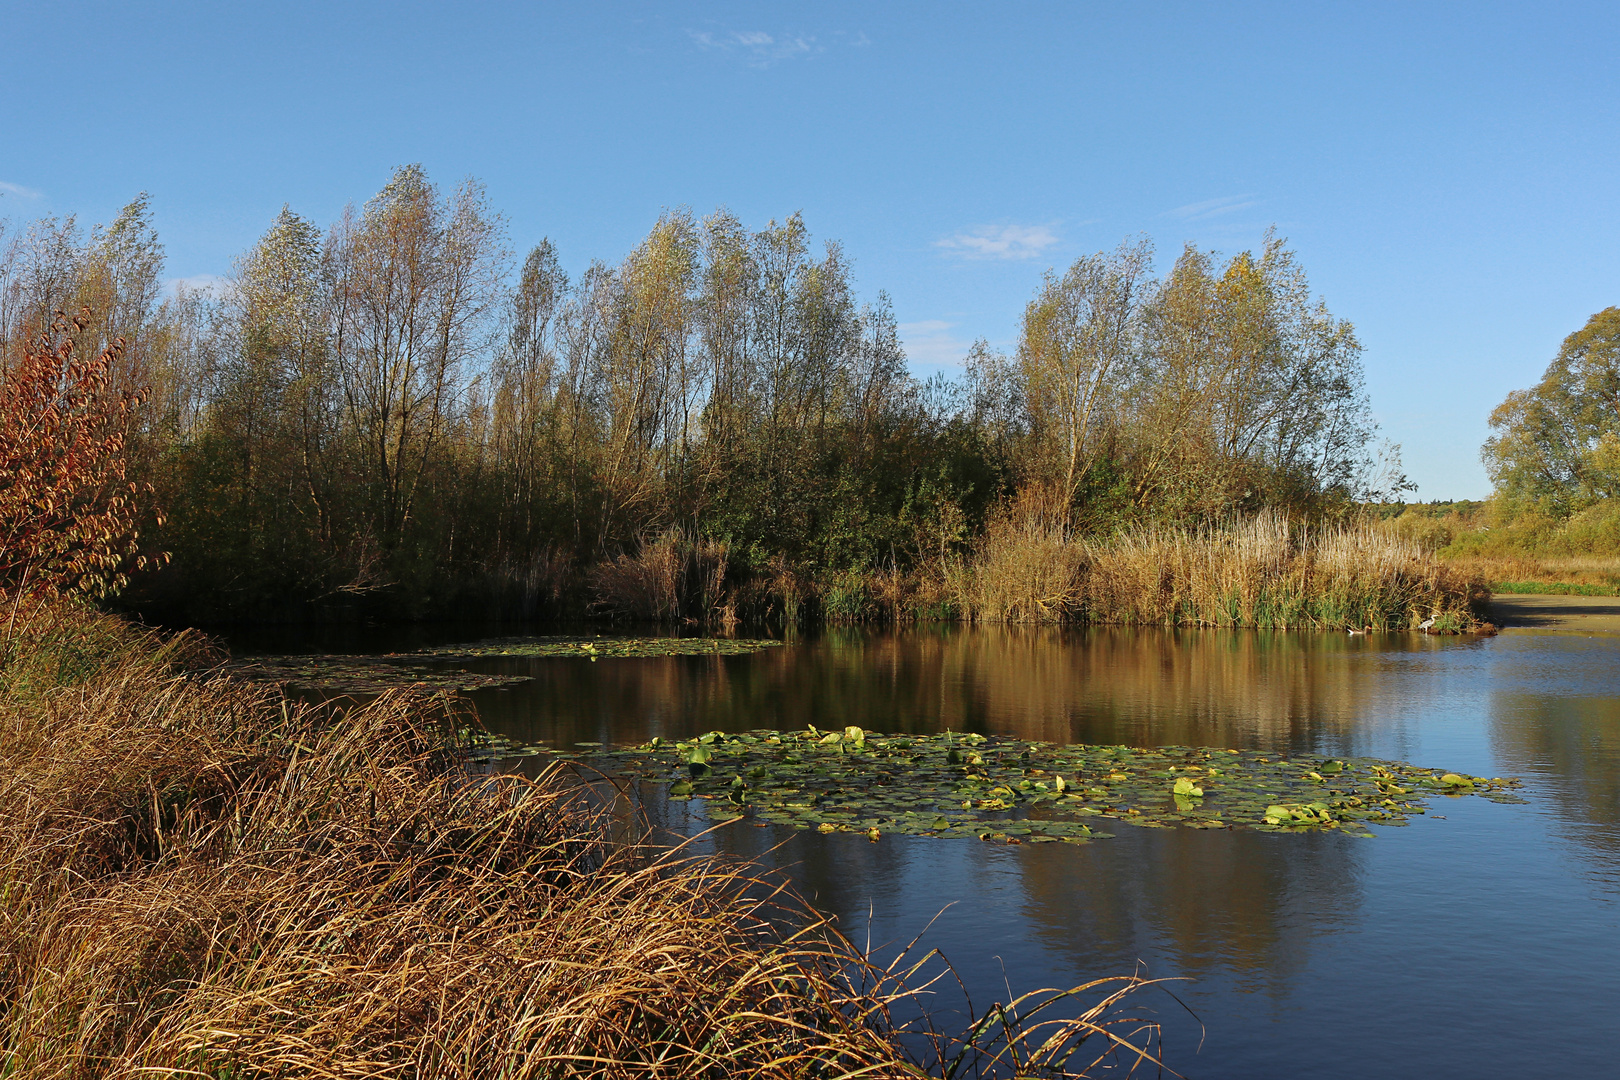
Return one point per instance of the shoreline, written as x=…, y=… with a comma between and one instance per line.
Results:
x=1550, y=611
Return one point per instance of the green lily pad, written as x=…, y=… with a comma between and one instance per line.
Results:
x=953, y=784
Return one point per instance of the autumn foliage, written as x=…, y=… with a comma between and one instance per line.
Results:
x=67, y=507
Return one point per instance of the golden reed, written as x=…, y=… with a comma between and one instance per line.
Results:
x=1262, y=572
x=199, y=878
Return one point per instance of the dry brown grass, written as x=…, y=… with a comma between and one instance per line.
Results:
x=530, y=587
x=670, y=578
x=1593, y=570
x=1022, y=571
x=1262, y=572
x=198, y=878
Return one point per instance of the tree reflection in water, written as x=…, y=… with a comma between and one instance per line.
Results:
x=1144, y=687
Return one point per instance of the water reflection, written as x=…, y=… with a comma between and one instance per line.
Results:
x=1458, y=942
x=1145, y=687
x=1230, y=901
x=1562, y=724
x=1242, y=902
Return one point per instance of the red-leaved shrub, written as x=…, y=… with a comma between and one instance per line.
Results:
x=67, y=507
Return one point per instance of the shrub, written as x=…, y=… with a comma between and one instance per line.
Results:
x=67, y=510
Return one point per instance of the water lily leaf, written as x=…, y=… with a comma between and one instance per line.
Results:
x=1010, y=789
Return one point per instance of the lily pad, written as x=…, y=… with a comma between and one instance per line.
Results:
x=1006, y=789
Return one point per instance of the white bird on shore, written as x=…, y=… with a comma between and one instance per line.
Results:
x=1426, y=623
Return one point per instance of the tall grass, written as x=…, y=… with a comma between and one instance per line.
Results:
x=525, y=588
x=1266, y=572
x=1262, y=572
x=671, y=577
x=198, y=878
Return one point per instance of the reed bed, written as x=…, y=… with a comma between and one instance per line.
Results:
x=1264, y=572
x=200, y=878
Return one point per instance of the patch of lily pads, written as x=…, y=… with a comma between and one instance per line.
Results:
x=441, y=667
x=1023, y=791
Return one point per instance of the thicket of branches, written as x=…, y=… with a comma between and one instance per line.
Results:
x=391, y=412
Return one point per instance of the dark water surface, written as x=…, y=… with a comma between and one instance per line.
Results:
x=1482, y=940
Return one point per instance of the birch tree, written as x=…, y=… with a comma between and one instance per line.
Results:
x=1080, y=335
x=415, y=280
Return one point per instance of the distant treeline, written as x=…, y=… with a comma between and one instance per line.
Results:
x=393, y=416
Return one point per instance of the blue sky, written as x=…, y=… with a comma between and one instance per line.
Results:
x=1448, y=173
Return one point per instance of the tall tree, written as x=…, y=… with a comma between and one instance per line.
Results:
x=67, y=508
x=1248, y=392
x=415, y=279
x=527, y=391
x=1080, y=336
x=1557, y=444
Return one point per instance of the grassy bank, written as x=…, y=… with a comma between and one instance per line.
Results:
x=1553, y=588
x=199, y=878
x=1519, y=549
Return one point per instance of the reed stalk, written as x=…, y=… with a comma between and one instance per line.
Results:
x=1265, y=572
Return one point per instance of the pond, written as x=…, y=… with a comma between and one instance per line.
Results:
x=1480, y=938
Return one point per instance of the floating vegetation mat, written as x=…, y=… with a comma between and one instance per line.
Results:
x=440, y=668
x=1017, y=791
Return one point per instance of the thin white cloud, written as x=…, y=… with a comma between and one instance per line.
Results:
x=999, y=242
x=930, y=342
x=19, y=191
x=1213, y=208
x=197, y=283
x=759, y=48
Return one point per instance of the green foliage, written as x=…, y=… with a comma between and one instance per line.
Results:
x=845, y=597
x=1555, y=447
x=380, y=420
x=49, y=644
x=1554, y=588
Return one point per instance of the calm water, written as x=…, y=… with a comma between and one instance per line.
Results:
x=1483, y=939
